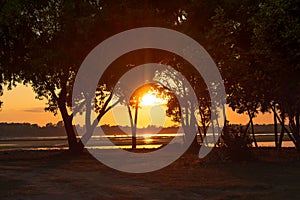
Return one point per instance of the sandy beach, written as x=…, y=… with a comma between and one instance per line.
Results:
x=60, y=175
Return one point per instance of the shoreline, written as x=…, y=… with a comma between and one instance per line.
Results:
x=260, y=153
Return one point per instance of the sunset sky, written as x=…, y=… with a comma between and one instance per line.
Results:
x=21, y=106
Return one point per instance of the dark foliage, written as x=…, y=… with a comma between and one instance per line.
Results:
x=236, y=143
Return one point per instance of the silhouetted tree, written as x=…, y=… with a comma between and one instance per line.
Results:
x=230, y=47
x=276, y=32
x=186, y=114
x=254, y=43
x=56, y=36
x=256, y=50
x=15, y=35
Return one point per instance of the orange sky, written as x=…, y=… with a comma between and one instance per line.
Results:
x=21, y=106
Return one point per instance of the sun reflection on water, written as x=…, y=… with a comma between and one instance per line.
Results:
x=147, y=138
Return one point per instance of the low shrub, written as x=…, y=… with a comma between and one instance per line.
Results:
x=235, y=143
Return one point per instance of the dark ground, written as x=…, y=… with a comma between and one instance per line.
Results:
x=60, y=175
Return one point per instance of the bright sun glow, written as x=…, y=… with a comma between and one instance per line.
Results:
x=151, y=100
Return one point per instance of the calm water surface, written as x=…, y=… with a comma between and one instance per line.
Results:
x=145, y=141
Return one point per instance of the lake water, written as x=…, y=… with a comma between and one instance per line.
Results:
x=145, y=141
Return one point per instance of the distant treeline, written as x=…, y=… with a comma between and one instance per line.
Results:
x=265, y=128
x=262, y=128
x=33, y=130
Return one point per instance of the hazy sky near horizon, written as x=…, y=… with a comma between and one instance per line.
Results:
x=20, y=105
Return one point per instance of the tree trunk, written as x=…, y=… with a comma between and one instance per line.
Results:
x=275, y=130
x=252, y=127
x=135, y=125
x=297, y=118
x=294, y=129
x=281, y=131
x=133, y=129
x=253, y=134
x=213, y=129
x=74, y=146
x=193, y=148
x=200, y=134
x=245, y=132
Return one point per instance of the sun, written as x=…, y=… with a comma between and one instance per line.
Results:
x=151, y=100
